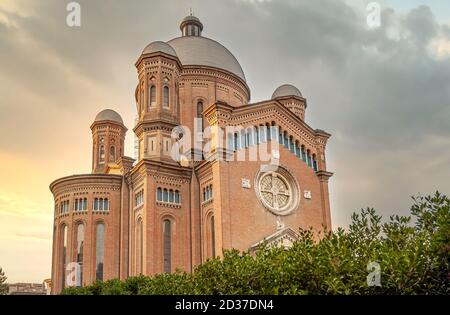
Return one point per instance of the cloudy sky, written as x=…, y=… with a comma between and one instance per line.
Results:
x=383, y=93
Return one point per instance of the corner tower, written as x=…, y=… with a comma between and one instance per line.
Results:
x=108, y=137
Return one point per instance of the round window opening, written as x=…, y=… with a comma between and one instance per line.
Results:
x=277, y=191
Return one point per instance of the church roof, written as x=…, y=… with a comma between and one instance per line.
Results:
x=159, y=46
x=286, y=90
x=109, y=114
x=202, y=51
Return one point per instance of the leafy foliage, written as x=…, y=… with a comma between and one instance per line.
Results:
x=413, y=256
x=3, y=285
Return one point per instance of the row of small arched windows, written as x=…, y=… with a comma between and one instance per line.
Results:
x=259, y=134
x=81, y=204
x=152, y=96
x=168, y=195
x=101, y=154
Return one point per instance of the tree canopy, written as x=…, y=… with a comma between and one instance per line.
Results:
x=403, y=255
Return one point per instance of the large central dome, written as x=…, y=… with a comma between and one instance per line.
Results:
x=202, y=51
x=195, y=50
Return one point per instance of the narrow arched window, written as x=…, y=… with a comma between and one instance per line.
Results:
x=64, y=255
x=100, y=202
x=167, y=247
x=101, y=154
x=210, y=192
x=315, y=167
x=308, y=154
x=85, y=204
x=280, y=137
x=230, y=141
x=112, y=154
x=171, y=196
x=236, y=141
x=249, y=137
x=139, y=247
x=303, y=154
x=96, y=204
x=291, y=144
x=213, y=238
x=152, y=96
x=268, y=132
x=297, y=150
x=262, y=133
x=159, y=194
x=256, y=135
x=200, y=116
x=99, y=251
x=177, y=197
x=204, y=194
x=166, y=96
x=286, y=140
x=106, y=204
x=79, y=252
x=165, y=195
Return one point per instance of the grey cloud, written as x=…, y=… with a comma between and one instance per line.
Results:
x=383, y=97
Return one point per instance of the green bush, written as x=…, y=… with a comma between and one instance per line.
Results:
x=413, y=255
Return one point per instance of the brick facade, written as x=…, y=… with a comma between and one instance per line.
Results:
x=161, y=214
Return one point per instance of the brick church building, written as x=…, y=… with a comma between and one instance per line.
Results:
x=165, y=211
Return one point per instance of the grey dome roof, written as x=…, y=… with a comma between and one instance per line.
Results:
x=286, y=90
x=159, y=46
x=202, y=51
x=109, y=114
x=190, y=18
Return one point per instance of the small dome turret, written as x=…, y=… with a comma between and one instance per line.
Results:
x=286, y=90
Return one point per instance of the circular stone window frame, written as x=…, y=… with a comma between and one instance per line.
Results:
x=293, y=188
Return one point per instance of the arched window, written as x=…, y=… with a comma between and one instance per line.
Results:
x=236, y=141
x=100, y=202
x=101, y=154
x=64, y=255
x=291, y=144
x=213, y=237
x=285, y=140
x=303, y=154
x=256, y=135
x=262, y=133
x=79, y=252
x=165, y=195
x=210, y=192
x=76, y=205
x=308, y=154
x=280, y=136
x=177, y=197
x=96, y=204
x=297, y=150
x=243, y=139
x=204, y=194
x=315, y=163
x=152, y=96
x=166, y=96
x=167, y=246
x=106, y=204
x=268, y=132
x=99, y=251
x=159, y=194
x=249, y=136
x=112, y=154
x=171, y=196
x=230, y=141
x=139, y=247
x=200, y=116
